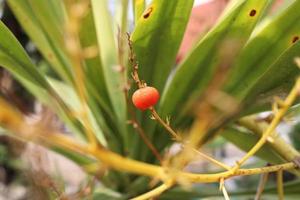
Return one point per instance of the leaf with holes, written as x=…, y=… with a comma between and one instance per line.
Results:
x=196, y=71
x=157, y=36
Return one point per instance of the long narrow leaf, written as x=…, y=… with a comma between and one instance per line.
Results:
x=108, y=53
x=195, y=72
x=49, y=48
x=258, y=56
x=157, y=37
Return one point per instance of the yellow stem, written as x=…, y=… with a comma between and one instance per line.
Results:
x=128, y=165
x=212, y=160
x=276, y=120
x=288, y=152
x=155, y=192
x=13, y=121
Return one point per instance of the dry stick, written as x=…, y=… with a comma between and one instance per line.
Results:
x=261, y=186
x=280, y=184
x=285, y=105
x=174, y=135
x=76, y=55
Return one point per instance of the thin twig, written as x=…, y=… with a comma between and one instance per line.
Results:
x=261, y=186
x=223, y=189
x=146, y=140
x=212, y=160
x=174, y=135
x=280, y=184
x=132, y=59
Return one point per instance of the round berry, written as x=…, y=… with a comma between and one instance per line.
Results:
x=145, y=97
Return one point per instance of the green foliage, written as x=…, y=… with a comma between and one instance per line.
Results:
x=259, y=60
x=233, y=29
x=157, y=37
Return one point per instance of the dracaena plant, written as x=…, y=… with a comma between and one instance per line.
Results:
x=246, y=63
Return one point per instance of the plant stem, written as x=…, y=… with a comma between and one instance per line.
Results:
x=146, y=140
x=280, y=185
x=165, y=125
x=282, y=148
x=179, y=139
x=212, y=160
x=276, y=120
x=155, y=192
x=223, y=189
x=261, y=186
x=15, y=123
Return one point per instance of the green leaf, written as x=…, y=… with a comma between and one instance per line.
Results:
x=156, y=40
x=262, y=51
x=277, y=80
x=157, y=37
x=48, y=20
x=34, y=24
x=138, y=9
x=68, y=95
x=93, y=67
x=99, y=101
x=196, y=71
x=79, y=159
x=14, y=58
x=108, y=55
x=105, y=193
